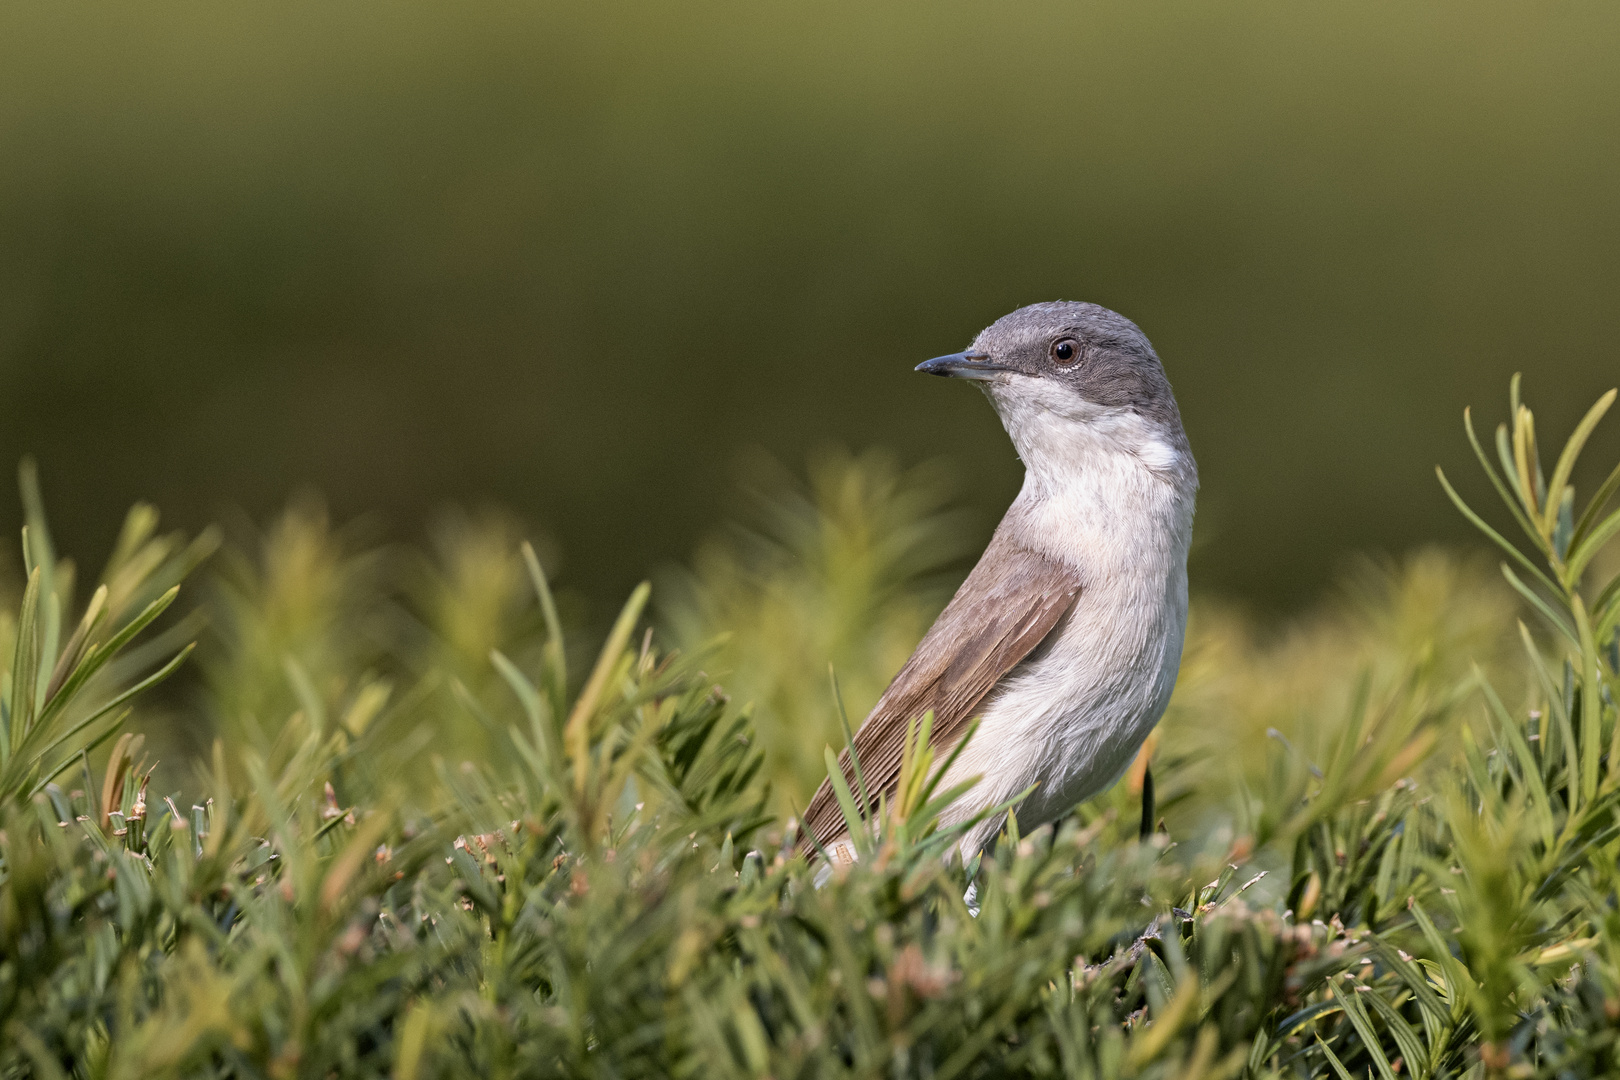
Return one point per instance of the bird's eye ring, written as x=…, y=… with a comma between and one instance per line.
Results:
x=1065, y=350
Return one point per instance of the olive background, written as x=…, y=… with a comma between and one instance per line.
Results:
x=576, y=260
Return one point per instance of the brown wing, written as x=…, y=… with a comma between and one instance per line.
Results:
x=1006, y=607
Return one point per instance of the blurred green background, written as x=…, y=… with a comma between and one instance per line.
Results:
x=575, y=260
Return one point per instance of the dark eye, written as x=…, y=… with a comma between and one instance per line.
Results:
x=1065, y=350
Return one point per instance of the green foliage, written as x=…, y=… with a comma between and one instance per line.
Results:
x=1414, y=872
x=69, y=681
x=846, y=571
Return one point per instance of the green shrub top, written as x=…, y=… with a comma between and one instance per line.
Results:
x=1387, y=847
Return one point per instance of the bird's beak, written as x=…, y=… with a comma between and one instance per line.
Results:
x=963, y=365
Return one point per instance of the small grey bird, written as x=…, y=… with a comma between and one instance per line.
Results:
x=1065, y=639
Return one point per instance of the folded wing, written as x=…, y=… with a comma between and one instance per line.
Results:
x=1005, y=608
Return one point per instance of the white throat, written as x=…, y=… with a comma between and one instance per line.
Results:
x=1103, y=486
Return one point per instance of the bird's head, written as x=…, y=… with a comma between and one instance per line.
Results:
x=1058, y=371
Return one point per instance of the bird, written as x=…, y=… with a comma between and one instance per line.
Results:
x=1065, y=639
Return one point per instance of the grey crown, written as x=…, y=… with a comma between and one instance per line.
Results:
x=1116, y=366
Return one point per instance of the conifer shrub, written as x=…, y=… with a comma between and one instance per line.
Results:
x=1384, y=842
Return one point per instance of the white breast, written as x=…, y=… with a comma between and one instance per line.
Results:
x=1115, y=500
